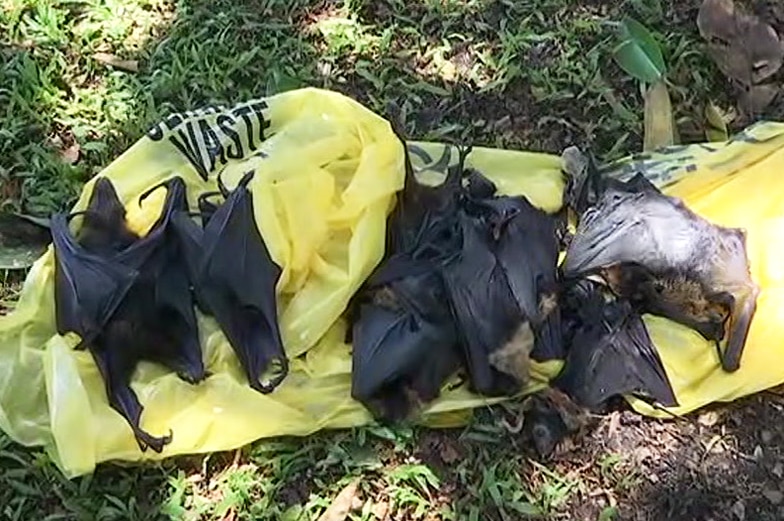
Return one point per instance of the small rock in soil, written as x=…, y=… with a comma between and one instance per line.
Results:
x=739, y=509
x=774, y=496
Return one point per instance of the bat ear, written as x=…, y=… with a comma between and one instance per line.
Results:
x=455, y=174
x=585, y=182
x=243, y=182
x=175, y=187
x=640, y=183
x=105, y=202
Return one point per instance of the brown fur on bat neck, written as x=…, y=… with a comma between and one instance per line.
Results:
x=513, y=358
x=676, y=295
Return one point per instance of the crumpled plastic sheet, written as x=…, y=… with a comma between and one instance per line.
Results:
x=327, y=170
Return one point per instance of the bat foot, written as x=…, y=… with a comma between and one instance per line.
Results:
x=156, y=443
x=272, y=382
x=728, y=364
x=265, y=388
x=192, y=378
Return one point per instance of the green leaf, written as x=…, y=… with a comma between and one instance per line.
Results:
x=608, y=514
x=715, y=125
x=638, y=53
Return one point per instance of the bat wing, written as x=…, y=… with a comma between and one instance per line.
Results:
x=612, y=354
x=526, y=247
x=88, y=287
x=114, y=352
x=627, y=226
x=238, y=282
x=165, y=271
x=484, y=308
x=527, y=250
x=190, y=238
x=396, y=352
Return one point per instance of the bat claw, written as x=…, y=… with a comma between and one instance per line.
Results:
x=156, y=443
x=192, y=379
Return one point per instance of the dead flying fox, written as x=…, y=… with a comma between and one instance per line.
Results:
x=502, y=289
x=667, y=260
x=467, y=282
x=609, y=351
x=234, y=278
x=128, y=297
x=404, y=339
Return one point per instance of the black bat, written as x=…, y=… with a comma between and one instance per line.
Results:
x=127, y=297
x=509, y=249
x=609, y=351
x=495, y=339
x=667, y=260
x=526, y=244
x=404, y=343
x=234, y=279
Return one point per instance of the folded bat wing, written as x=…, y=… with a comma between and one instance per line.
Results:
x=527, y=249
x=397, y=351
x=634, y=223
x=166, y=273
x=611, y=354
x=484, y=307
x=88, y=287
x=238, y=280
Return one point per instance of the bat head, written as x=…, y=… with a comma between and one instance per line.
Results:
x=104, y=228
x=478, y=186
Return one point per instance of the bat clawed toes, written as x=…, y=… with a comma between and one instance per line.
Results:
x=192, y=378
x=158, y=443
x=147, y=441
x=267, y=385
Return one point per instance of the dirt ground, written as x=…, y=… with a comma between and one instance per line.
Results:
x=724, y=464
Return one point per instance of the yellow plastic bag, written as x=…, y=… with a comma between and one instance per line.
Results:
x=732, y=184
x=327, y=169
x=326, y=172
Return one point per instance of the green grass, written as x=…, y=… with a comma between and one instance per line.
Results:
x=532, y=74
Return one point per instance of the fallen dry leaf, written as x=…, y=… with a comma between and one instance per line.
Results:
x=739, y=509
x=716, y=19
x=70, y=155
x=774, y=496
x=744, y=47
x=448, y=453
x=342, y=504
x=757, y=97
x=708, y=419
x=659, y=123
x=118, y=63
x=380, y=510
x=758, y=453
x=716, y=123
